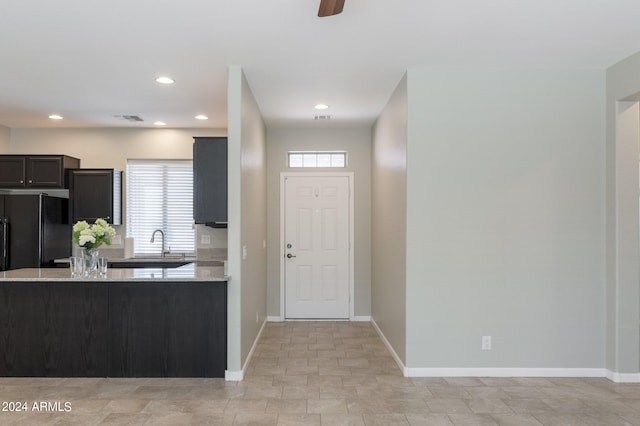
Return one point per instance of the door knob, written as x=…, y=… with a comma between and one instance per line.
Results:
x=289, y=256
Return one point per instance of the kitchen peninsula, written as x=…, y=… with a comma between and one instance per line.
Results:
x=135, y=322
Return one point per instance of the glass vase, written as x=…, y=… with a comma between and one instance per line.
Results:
x=90, y=262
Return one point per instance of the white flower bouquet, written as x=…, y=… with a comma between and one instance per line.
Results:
x=93, y=236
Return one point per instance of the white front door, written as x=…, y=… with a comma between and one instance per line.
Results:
x=316, y=252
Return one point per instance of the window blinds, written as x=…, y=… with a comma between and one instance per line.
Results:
x=160, y=196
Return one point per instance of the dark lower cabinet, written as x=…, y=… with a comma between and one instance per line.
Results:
x=167, y=330
x=113, y=329
x=53, y=329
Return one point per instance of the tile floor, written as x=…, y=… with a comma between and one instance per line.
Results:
x=323, y=373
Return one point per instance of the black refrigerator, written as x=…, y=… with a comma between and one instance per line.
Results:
x=34, y=230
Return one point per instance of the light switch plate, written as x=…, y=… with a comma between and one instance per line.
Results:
x=205, y=239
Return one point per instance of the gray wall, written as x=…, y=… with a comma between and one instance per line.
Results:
x=389, y=220
x=357, y=141
x=505, y=221
x=247, y=295
x=623, y=298
x=5, y=139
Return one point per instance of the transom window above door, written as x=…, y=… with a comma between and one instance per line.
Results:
x=317, y=159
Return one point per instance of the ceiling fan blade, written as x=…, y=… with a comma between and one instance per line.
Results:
x=330, y=7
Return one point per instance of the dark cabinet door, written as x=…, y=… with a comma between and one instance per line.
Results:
x=167, y=329
x=53, y=329
x=12, y=172
x=210, y=180
x=45, y=172
x=96, y=193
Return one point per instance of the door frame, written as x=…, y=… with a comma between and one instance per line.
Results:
x=349, y=175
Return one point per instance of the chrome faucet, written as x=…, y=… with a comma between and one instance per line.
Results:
x=153, y=237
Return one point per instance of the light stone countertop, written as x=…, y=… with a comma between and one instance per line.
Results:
x=154, y=259
x=189, y=272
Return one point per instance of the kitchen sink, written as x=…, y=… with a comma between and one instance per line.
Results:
x=210, y=263
x=151, y=262
x=165, y=264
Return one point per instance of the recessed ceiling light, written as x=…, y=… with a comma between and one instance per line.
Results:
x=55, y=117
x=201, y=117
x=321, y=106
x=159, y=123
x=165, y=80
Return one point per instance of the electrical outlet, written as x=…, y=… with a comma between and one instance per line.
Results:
x=486, y=343
x=205, y=239
x=244, y=252
x=117, y=240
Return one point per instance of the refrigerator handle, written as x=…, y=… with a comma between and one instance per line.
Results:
x=4, y=244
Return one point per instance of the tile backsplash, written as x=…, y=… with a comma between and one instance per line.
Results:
x=211, y=243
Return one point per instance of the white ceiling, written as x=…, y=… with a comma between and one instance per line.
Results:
x=89, y=60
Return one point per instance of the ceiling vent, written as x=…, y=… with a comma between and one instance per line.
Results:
x=322, y=117
x=132, y=118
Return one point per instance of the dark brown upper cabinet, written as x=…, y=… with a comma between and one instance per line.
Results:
x=35, y=171
x=210, y=181
x=95, y=193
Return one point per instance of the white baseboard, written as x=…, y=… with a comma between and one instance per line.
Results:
x=395, y=356
x=505, y=372
x=238, y=376
x=233, y=376
x=623, y=377
x=361, y=318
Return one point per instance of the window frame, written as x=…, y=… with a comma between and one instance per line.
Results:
x=175, y=233
x=316, y=153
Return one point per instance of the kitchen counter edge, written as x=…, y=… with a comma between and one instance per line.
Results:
x=187, y=273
